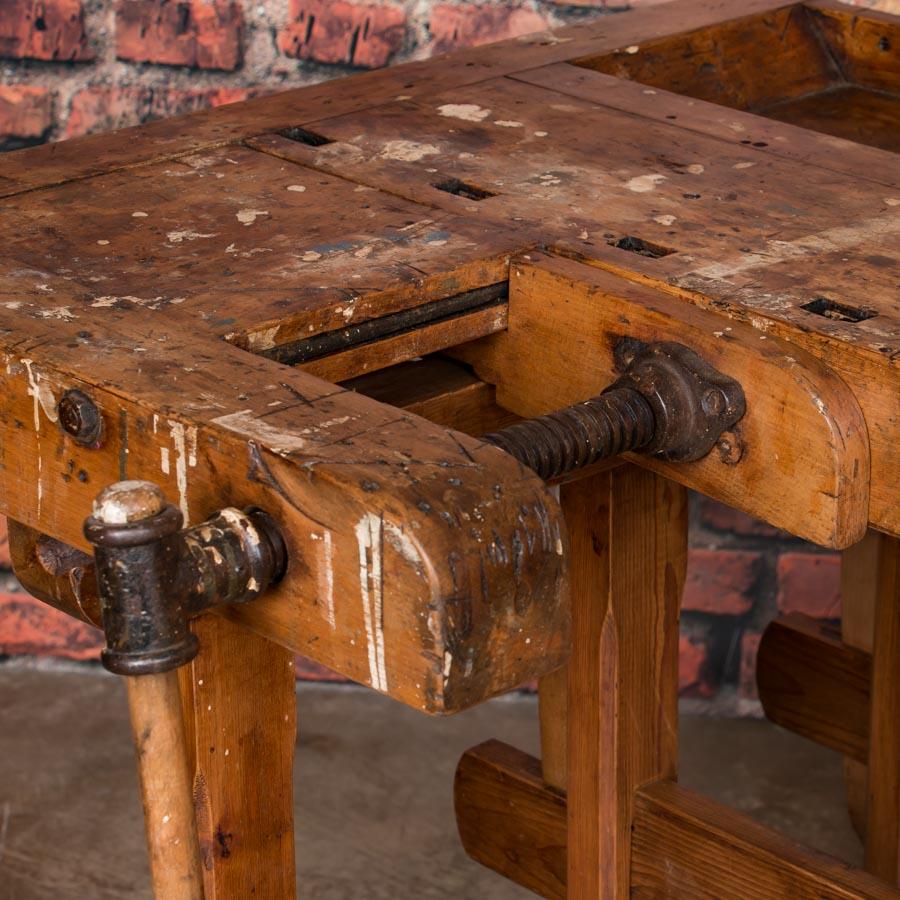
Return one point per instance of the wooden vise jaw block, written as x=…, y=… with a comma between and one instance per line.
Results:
x=423, y=562
x=799, y=459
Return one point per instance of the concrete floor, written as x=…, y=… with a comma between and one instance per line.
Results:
x=374, y=782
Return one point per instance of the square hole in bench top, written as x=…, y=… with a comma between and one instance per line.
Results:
x=827, y=69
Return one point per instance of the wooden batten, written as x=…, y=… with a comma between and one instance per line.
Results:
x=812, y=684
x=683, y=845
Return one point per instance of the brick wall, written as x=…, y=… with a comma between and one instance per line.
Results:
x=70, y=67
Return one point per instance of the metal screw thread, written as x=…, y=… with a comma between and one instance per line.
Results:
x=577, y=436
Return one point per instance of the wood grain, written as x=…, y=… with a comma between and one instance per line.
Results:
x=859, y=592
x=812, y=684
x=688, y=846
x=170, y=138
x=240, y=713
x=628, y=530
x=509, y=820
x=883, y=809
x=553, y=691
x=154, y=703
x=684, y=845
x=242, y=430
x=804, y=458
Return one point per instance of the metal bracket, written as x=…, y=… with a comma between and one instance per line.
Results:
x=668, y=402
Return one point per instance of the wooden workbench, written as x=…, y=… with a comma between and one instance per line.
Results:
x=317, y=301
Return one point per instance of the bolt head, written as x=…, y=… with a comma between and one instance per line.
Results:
x=714, y=402
x=79, y=417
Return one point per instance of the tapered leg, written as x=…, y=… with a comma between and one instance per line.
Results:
x=241, y=722
x=158, y=730
x=628, y=532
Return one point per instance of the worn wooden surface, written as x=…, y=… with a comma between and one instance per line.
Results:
x=812, y=684
x=171, y=272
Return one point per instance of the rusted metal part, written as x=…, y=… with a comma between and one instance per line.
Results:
x=153, y=576
x=668, y=402
x=579, y=435
x=329, y=342
x=80, y=418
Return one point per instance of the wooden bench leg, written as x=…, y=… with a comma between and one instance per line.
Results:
x=859, y=566
x=628, y=531
x=883, y=783
x=241, y=721
x=870, y=588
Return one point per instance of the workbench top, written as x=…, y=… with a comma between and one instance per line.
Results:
x=186, y=265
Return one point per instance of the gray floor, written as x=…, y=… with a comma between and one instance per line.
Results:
x=374, y=806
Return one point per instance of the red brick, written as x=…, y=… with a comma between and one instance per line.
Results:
x=28, y=626
x=196, y=33
x=724, y=518
x=334, y=31
x=102, y=108
x=692, y=659
x=721, y=581
x=307, y=670
x=473, y=24
x=747, y=678
x=26, y=113
x=4, y=544
x=810, y=583
x=43, y=29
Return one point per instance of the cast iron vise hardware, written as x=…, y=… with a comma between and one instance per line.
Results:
x=668, y=402
x=153, y=576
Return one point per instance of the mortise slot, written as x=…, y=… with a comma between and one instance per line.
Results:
x=641, y=247
x=839, y=312
x=461, y=189
x=305, y=136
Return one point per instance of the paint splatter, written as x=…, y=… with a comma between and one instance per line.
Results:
x=469, y=112
x=641, y=184
x=249, y=216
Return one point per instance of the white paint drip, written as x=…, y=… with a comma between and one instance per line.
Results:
x=185, y=441
x=664, y=220
x=164, y=460
x=297, y=188
x=369, y=534
x=469, y=112
x=325, y=574
x=508, y=123
x=43, y=396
